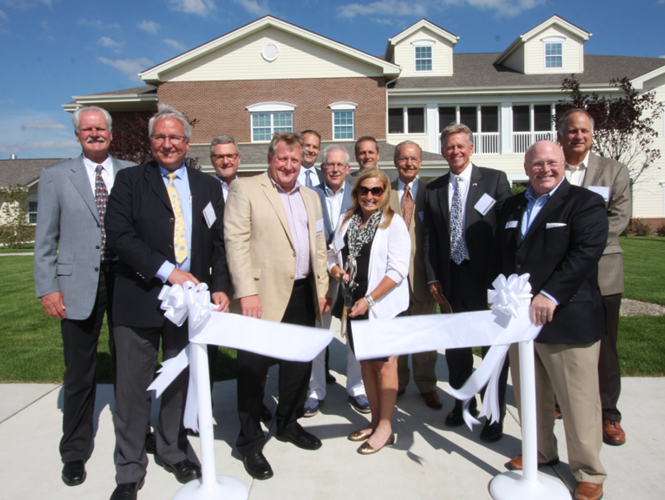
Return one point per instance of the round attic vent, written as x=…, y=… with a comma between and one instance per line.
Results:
x=270, y=52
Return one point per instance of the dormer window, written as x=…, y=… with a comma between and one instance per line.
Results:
x=554, y=52
x=423, y=54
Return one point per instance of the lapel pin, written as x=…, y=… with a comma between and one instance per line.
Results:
x=474, y=184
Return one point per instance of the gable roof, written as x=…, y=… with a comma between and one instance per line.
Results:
x=154, y=74
x=136, y=98
x=423, y=23
x=552, y=21
x=23, y=172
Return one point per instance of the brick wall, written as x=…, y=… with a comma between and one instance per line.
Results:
x=220, y=106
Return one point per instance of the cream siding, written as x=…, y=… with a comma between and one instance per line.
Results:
x=298, y=58
x=516, y=60
x=421, y=139
x=534, y=53
x=442, y=55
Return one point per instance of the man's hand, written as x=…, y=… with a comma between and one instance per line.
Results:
x=436, y=291
x=251, y=306
x=325, y=305
x=221, y=300
x=541, y=310
x=53, y=305
x=178, y=277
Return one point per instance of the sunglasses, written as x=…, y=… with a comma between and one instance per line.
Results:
x=364, y=191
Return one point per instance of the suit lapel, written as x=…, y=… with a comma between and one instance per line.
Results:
x=519, y=215
x=196, y=191
x=592, y=172
x=443, y=201
x=154, y=178
x=474, y=194
x=81, y=181
x=275, y=201
x=552, y=204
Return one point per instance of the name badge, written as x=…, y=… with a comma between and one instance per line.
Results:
x=319, y=226
x=209, y=215
x=485, y=204
x=511, y=224
x=603, y=191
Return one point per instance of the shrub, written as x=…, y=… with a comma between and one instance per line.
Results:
x=661, y=230
x=637, y=227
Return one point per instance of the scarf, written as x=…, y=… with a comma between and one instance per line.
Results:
x=358, y=238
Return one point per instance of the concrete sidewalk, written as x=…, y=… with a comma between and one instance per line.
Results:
x=429, y=460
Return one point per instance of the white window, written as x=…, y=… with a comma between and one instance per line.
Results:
x=554, y=52
x=423, y=54
x=32, y=212
x=343, y=115
x=270, y=118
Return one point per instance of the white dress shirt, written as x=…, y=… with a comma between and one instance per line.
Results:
x=313, y=176
x=225, y=187
x=575, y=174
x=107, y=172
x=465, y=182
x=413, y=186
x=334, y=203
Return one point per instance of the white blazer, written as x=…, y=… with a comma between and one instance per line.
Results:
x=390, y=256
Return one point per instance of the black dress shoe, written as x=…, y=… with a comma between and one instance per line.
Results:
x=257, y=466
x=266, y=415
x=455, y=417
x=150, y=444
x=184, y=471
x=73, y=473
x=330, y=378
x=301, y=438
x=492, y=432
x=127, y=491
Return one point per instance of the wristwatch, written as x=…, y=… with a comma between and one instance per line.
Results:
x=370, y=301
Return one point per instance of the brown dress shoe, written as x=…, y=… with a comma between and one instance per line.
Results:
x=516, y=463
x=588, y=491
x=613, y=433
x=432, y=399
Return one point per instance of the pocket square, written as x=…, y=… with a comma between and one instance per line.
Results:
x=552, y=225
x=511, y=224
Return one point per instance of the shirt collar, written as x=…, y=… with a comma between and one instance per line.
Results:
x=532, y=199
x=329, y=192
x=180, y=173
x=584, y=164
x=296, y=186
x=89, y=164
x=412, y=184
x=465, y=176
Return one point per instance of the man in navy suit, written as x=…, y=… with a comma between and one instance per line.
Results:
x=557, y=233
x=335, y=196
x=164, y=221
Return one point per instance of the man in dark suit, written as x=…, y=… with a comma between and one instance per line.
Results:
x=557, y=233
x=407, y=197
x=74, y=273
x=461, y=209
x=164, y=221
x=611, y=179
x=309, y=175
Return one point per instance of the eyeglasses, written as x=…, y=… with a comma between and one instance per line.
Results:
x=540, y=165
x=334, y=166
x=173, y=139
x=364, y=191
x=404, y=159
x=231, y=157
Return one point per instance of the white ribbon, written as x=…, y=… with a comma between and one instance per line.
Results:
x=506, y=323
x=206, y=326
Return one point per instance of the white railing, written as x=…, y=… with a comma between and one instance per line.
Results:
x=486, y=143
x=522, y=140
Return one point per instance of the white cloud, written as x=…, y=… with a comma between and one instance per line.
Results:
x=17, y=147
x=199, y=7
x=3, y=15
x=44, y=125
x=130, y=67
x=663, y=56
x=506, y=8
x=253, y=7
x=149, y=26
x=175, y=44
x=389, y=22
x=110, y=43
x=10, y=102
x=25, y=4
x=384, y=7
x=419, y=8
x=96, y=23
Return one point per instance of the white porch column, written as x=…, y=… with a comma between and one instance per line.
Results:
x=506, y=128
x=432, y=127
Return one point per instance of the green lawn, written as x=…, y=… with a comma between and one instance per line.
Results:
x=31, y=345
x=30, y=341
x=28, y=247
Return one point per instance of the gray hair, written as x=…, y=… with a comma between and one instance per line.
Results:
x=222, y=139
x=456, y=128
x=76, y=117
x=336, y=147
x=407, y=143
x=164, y=111
x=561, y=122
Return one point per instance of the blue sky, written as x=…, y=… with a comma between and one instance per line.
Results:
x=53, y=49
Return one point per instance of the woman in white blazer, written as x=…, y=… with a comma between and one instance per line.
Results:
x=371, y=250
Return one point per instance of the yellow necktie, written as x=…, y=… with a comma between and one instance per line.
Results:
x=179, y=233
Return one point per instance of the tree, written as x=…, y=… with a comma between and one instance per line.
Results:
x=15, y=214
x=623, y=125
x=131, y=142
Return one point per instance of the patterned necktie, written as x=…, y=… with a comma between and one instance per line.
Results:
x=407, y=205
x=101, y=197
x=179, y=233
x=457, y=244
x=308, y=179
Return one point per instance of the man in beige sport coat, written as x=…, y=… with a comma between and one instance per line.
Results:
x=610, y=179
x=408, y=158
x=276, y=251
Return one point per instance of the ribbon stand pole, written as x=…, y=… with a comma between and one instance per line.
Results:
x=529, y=484
x=210, y=486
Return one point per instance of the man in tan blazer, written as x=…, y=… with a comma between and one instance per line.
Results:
x=610, y=179
x=408, y=198
x=276, y=251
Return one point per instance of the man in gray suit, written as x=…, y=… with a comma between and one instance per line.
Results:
x=335, y=196
x=74, y=273
x=610, y=179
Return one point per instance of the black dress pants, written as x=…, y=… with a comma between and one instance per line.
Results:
x=293, y=379
x=609, y=369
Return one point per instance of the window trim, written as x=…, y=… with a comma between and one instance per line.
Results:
x=32, y=212
x=343, y=106
x=553, y=40
x=268, y=108
x=423, y=43
x=405, y=119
